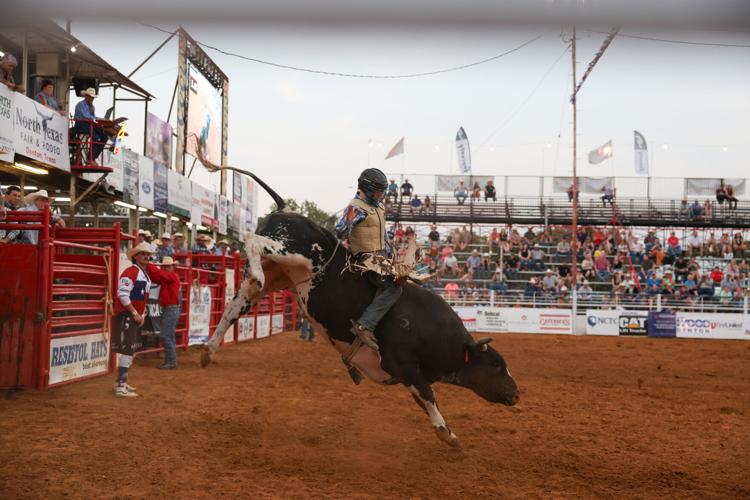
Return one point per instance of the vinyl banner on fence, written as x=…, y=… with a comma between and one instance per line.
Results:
x=602, y=322
x=450, y=182
x=152, y=326
x=223, y=210
x=130, y=176
x=590, y=185
x=145, y=182
x=264, y=326
x=633, y=323
x=710, y=326
x=524, y=320
x=708, y=187
x=7, y=150
x=76, y=357
x=277, y=323
x=661, y=324
x=178, y=194
x=200, y=315
x=40, y=133
x=161, y=189
x=468, y=315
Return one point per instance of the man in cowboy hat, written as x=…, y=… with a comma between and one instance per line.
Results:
x=169, y=302
x=222, y=248
x=37, y=201
x=85, y=117
x=178, y=243
x=203, y=244
x=165, y=248
x=130, y=312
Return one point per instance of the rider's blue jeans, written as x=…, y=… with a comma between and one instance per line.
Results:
x=387, y=295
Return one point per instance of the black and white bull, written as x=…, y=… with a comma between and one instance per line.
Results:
x=421, y=339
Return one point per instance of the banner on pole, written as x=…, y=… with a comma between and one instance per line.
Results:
x=130, y=176
x=161, y=188
x=708, y=187
x=7, y=149
x=158, y=140
x=397, y=149
x=178, y=194
x=145, y=182
x=589, y=185
x=641, y=153
x=463, y=151
x=601, y=153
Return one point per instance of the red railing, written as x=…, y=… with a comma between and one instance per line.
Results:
x=82, y=146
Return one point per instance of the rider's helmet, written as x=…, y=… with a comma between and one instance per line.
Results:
x=371, y=181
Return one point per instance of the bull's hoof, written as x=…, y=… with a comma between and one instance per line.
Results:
x=205, y=357
x=447, y=436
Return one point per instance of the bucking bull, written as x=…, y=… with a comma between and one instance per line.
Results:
x=421, y=339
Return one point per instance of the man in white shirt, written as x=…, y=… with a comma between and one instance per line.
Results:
x=695, y=243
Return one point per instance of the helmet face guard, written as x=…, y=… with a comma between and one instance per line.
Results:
x=372, y=181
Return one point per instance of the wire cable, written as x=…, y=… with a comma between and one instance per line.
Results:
x=666, y=40
x=356, y=75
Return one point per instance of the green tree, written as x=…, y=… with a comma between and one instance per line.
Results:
x=309, y=209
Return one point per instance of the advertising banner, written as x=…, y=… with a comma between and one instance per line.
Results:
x=633, y=323
x=602, y=322
x=209, y=212
x=116, y=178
x=523, y=320
x=145, y=182
x=161, y=189
x=641, y=153
x=152, y=325
x=203, y=116
x=463, y=151
x=589, y=185
x=40, y=133
x=468, y=315
x=277, y=323
x=264, y=326
x=245, y=328
x=200, y=315
x=158, y=141
x=491, y=320
x=223, y=210
x=130, y=176
x=661, y=324
x=178, y=194
x=451, y=182
x=710, y=326
x=76, y=357
x=7, y=150
x=196, y=202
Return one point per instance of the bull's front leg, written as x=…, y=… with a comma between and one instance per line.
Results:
x=425, y=397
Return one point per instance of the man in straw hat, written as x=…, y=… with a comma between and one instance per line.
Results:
x=130, y=309
x=164, y=249
x=203, y=244
x=37, y=201
x=169, y=302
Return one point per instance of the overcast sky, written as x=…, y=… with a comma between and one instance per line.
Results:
x=307, y=135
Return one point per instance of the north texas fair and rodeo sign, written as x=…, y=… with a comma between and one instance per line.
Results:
x=40, y=133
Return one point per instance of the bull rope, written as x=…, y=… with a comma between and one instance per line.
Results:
x=323, y=267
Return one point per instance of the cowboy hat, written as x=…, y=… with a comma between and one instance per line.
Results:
x=91, y=92
x=223, y=242
x=140, y=248
x=203, y=237
x=42, y=193
x=178, y=235
x=166, y=236
x=166, y=261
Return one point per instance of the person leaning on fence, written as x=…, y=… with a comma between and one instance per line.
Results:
x=46, y=96
x=37, y=201
x=8, y=64
x=164, y=249
x=12, y=202
x=169, y=302
x=130, y=311
x=731, y=198
x=608, y=196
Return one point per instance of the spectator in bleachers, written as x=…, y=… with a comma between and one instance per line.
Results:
x=37, y=201
x=498, y=283
x=476, y=192
x=689, y=284
x=585, y=292
x=12, y=202
x=529, y=235
x=461, y=193
x=164, y=249
x=450, y=265
x=696, y=211
x=426, y=206
x=695, y=244
x=725, y=243
x=582, y=235
x=658, y=254
x=706, y=287
x=532, y=289
x=524, y=254
x=711, y=247
x=178, y=243
x=571, y=191
x=406, y=189
x=667, y=282
x=503, y=241
x=549, y=282
x=434, y=235
x=46, y=96
x=415, y=204
x=731, y=199
x=493, y=239
x=512, y=266
x=635, y=247
x=451, y=292
x=649, y=241
x=716, y=275
x=681, y=269
x=602, y=267
x=537, y=257
x=608, y=196
x=653, y=284
x=465, y=237
x=474, y=260
x=587, y=267
x=729, y=281
x=563, y=250
x=544, y=238
x=392, y=193
x=467, y=274
x=738, y=246
x=732, y=268
x=721, y=193
x=597, y=237
x=489, y=191
x=725, y=295
x=8, y=64
x=673, y=245
x=707, y=209
x=515, y=240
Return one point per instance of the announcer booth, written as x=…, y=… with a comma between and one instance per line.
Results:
x=56, y=302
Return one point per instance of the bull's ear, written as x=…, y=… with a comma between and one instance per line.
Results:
x=481, y=344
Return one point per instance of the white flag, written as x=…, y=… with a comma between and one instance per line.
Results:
x=641, y=153
x=464, y=154
x=601, y=153
x=396, y=150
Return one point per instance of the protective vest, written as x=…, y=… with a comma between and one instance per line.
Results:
x=367, y=236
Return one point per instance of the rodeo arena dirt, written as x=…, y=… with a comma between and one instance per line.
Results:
x=443, y=336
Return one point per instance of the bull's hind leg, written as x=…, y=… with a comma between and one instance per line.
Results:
x=425, y=397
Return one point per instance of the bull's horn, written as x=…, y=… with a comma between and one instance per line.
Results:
x=213, y=167
x=481, y=344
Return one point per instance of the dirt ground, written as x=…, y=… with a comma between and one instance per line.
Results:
x=598, y=417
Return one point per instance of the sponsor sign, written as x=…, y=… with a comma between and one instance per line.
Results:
x=633, y=323
x=491, y=320
x=245, y=328
x=602, y=322
x=223, y=210
x=130, y=176
x=200, y=315
x=145, y=182
x=76, y=357
x=264, y=326
x=204, y=116
x=40, y=133
x=115, y=178
x=555, y=322
x=468, y=315
x=161, y=187
x=158, y=141
x=710, y=326
x=152, y=326
x=178, y=194
x=7, y=149
x=661, y=324
x=277, y=323
x=515, y=320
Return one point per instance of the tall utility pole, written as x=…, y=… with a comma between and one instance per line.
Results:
x=574, y=225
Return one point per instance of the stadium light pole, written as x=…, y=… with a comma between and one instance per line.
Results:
x=574, y=222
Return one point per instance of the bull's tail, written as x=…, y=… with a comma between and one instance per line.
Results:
x=212, y=167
